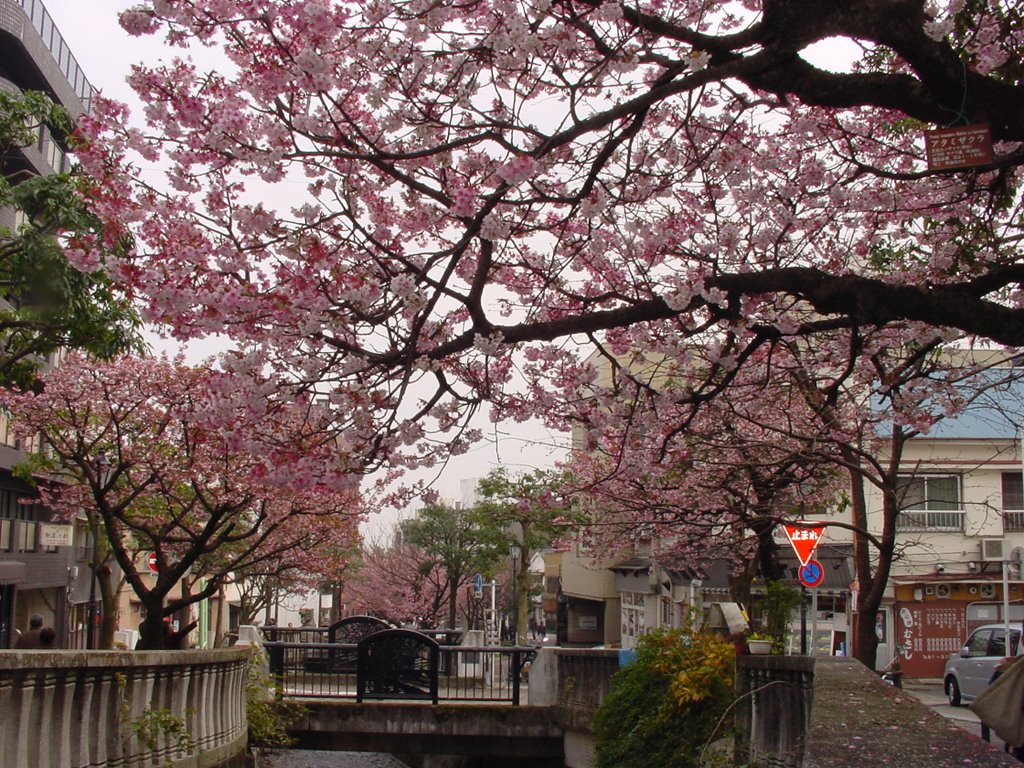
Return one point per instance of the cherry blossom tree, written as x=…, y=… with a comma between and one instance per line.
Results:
x=398, y=581
x=793, y=434
x=329, y=560
x=170, y=460
x=700, y=477
x=490, y=189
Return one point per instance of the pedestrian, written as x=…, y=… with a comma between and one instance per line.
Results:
x=30, y=639
x=47, y=637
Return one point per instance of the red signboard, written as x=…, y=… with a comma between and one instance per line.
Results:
x=153, y=566
x=929, y=633
x=804, y=537
x=960, y=147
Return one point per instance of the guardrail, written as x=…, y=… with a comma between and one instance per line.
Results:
x=464, y=673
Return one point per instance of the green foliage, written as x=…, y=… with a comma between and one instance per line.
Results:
x=668, y=705
x=156, y=726
x=268, y=716
x=776, y=609
x=49, y=304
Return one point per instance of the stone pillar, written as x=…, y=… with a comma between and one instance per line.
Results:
x=773, y=710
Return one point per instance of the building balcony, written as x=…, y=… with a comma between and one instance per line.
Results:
x=931, y=520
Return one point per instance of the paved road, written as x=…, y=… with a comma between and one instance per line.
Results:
x=930, y=692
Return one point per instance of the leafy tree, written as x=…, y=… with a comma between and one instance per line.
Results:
x=526, y=511
x=461, y=542
x=172, y=460
x=665, y=707
x=48, y=303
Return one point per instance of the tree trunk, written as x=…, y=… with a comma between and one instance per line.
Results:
x=453, y=600
x=153, y=631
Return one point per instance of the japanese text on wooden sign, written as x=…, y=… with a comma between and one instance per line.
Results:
x=959, y=147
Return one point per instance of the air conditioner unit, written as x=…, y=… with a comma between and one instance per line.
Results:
x=929, y=590
x=992, y=550
x=988, y=590
x=942, y=590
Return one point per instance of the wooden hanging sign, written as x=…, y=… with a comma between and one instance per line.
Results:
x=961, y=147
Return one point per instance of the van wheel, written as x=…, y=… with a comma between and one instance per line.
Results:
x=953, y=691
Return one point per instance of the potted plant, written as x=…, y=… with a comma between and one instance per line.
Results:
x=759, y=644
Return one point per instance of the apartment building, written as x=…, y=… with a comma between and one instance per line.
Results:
x=42, y=569
x=960, y=533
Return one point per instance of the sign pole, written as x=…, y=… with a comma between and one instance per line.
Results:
x=814, y=620
x=803, y=620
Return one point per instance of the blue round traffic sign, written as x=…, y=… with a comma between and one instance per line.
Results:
x=811, y=574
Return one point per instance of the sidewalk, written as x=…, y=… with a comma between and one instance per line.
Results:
x=930, y=693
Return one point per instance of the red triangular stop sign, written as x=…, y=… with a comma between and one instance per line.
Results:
x=804, y=537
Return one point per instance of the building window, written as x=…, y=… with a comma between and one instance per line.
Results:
x=6, y=433
x=6, y=526
x=83, y=542
x=929, y=502
x=1013, y=501
x=27, y=535
x=633, y=622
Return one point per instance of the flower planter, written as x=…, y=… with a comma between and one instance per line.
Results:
x=759, y=647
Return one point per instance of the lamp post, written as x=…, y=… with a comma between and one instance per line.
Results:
x=102, y=470
x=515, y=551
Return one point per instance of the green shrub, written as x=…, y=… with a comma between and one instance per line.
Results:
x=268, y=716
x=666, y=706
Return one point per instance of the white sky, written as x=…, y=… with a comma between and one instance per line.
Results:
x=105, y=53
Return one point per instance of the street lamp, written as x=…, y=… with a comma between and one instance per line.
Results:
x=102, y=472
x=514, y=552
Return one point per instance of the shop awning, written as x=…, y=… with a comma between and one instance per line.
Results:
x=11, y=571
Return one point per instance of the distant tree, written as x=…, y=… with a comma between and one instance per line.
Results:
x=527, y=511
x=172, y=460
x=400, y=582
x=263, y=584
x=462, y=542
x=46, y=303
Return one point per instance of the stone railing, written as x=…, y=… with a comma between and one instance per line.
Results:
x=773, y=709
x=68, y=709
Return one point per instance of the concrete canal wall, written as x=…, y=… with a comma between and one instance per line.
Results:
x=120, y=709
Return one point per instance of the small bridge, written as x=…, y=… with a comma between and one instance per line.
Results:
x=364, y=690
x=365, y=658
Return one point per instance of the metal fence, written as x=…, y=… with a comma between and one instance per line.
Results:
x=464, y=673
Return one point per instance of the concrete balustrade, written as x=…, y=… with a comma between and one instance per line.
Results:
x=70, y=709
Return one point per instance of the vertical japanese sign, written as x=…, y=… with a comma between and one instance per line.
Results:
x=929, y=633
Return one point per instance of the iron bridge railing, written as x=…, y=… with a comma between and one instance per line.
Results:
x=400, y=664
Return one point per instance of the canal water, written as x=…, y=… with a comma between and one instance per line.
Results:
x=303, y=758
